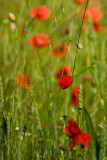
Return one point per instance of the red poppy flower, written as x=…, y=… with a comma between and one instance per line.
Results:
x=72, y=130
x=79, y=2
x=65, y=81
x=40, y=40
x=98, y=27
x=63, y=71
x=76, y=134
x=40, y=12
x=75, y=95
x=60, y=50
x=24, y=81
x=86, y=14
x=94, y=13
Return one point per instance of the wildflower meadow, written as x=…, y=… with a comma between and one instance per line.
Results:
x=53, y=80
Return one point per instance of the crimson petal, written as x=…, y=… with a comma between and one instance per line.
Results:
x=84, y=138
x=65, y=81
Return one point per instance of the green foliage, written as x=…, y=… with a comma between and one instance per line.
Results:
x=94, y=147
x=4, y=130
x=105, y=103
x=1, y=96
x=45, y=108
x=103, y=142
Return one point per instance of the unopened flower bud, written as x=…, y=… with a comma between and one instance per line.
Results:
x=12, y=17
x=102, y=102
x=63, y=147
x=79, y=46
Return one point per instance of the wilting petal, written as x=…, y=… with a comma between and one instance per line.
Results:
x=40, y=12
x=83, y=138
x=65, y=82
x=40, y=40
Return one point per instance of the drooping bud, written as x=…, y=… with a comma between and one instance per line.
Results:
x=12, y=17
x=79, y=46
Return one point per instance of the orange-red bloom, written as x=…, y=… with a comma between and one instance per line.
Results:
x=86, y=14
x=40, y=40
x=77, y=135
x=79, y=2
x=98, y=27
x=60, y=50
x=65, y=81
x=94, y=13
x=63, y=71
x=24, y=81
x=75, y=95
x=40, y=12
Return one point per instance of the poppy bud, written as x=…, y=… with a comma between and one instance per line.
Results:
x=63, y=147
x=79, y=46
x=12, y=17
x=67, y=31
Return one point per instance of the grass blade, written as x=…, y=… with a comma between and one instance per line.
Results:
x=94, y=147
x=105, y=104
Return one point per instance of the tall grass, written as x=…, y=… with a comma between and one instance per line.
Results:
x=32, y=120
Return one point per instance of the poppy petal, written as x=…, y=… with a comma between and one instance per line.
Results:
x=24, y=81
x=40, y=40
x=75, y=91
x=74, y=141
x=60, y=50
x=74, y=102
x=67, y=130
x=95, y=14
x=84, y=138
x=74, y=129
x=65, y=81
x=98, y=27
x=75, y=95
x=79, y=2
x=85, y=16
x=63, y=71
x=40, y=12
